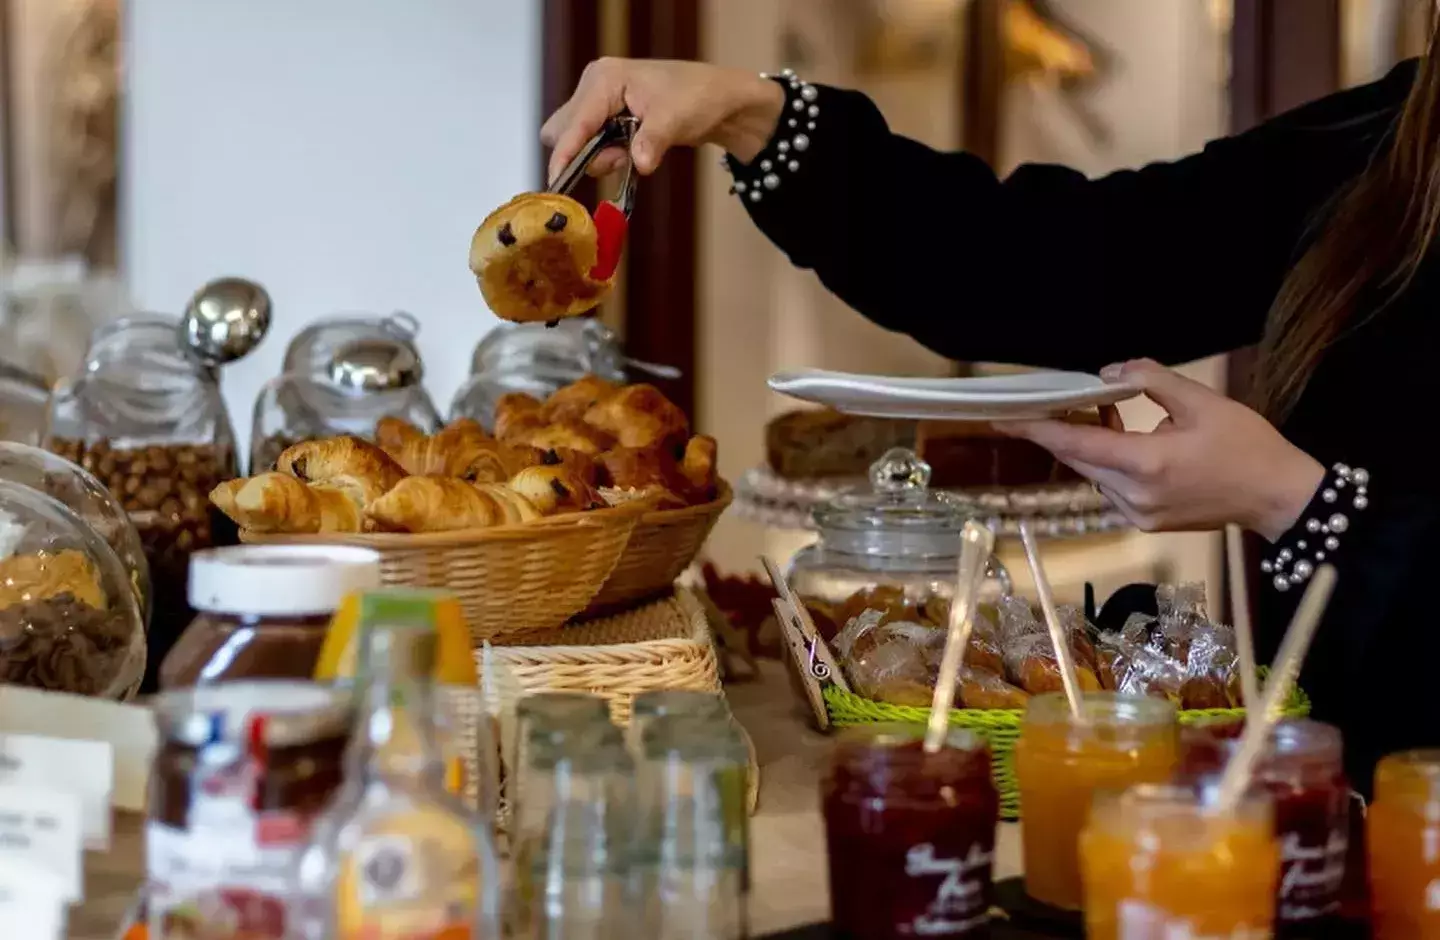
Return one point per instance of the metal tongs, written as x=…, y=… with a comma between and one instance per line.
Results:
x=618, y=130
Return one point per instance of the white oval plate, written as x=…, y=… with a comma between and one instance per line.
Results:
x=986, y=398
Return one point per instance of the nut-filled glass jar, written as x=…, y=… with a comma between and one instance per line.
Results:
x=263, y=611
x=148, y=420
x=69, y=619
x=895, y=547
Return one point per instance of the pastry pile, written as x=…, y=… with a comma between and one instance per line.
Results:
x=550, y=460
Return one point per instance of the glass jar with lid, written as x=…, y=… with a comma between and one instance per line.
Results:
x=263, y=611
x=894, y=547
x=69, y=619
x=366, y=379
x=537, y=360
x=147, y=418
x=88, y=498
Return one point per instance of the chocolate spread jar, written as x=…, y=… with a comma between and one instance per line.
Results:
x=241, y=771
x=262, y=610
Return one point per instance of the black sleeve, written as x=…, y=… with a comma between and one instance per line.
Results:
x=1370, y=670
x=1174, y=261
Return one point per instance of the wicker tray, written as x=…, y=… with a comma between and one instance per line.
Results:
x=510, y=580
x=661, y=547
x=664, y=645
x=999, y=727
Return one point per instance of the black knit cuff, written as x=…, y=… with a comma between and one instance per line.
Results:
x=1320, y=533
x=783, y=156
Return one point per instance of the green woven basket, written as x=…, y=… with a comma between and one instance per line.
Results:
x=999, y=727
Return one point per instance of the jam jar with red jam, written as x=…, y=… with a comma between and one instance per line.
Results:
x=1302, y=770
x=910, y=835
x=241, y=771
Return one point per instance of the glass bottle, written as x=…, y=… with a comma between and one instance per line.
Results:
x=571, y=871
x=544, y=710
x=651, y=705
x=689, y=861
x=396, y=855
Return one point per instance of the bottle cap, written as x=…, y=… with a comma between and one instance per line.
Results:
x=278, y=580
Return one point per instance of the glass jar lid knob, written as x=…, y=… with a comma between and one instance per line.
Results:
x=373, y=365
x=900, y=471
x=225, y=320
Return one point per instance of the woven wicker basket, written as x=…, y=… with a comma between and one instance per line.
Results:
x=662, y=546
x=999, y=727
x=510, y=580
x=664, y=645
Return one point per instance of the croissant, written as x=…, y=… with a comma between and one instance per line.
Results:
x=278, y=502
x=578, y=397
x=517, y=413
x=468, y=454
x=341, y=461
x=698, y=464
x=393, y=433
x=567, y=435
x=442, y=504
x=555, y=489
x=537, y=259
x=223, y=496
x=639, y=416
x=581, y=464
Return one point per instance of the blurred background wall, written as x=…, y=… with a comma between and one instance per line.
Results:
x=341, y=152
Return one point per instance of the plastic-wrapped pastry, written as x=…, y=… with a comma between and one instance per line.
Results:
x=981, y=689
x=892, y=671
x=1211, y=668
x=1134, y=669
x=888, y=599
x=1031, y=664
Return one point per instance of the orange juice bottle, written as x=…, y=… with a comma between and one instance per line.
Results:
x=1159, y=862
x=1062, y=762
x=454, y=664
x=1404, y=844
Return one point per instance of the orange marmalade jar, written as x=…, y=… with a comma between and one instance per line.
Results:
x=1117, y=741
x=1159, y=862
x=1404, y=844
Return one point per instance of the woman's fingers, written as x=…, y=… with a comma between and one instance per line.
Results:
x=608, y=161
x=599, y=97
x=1179, y=396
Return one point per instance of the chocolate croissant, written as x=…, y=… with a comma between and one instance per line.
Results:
x=341, y=461
x=555, y=489
x=278, y=502
x=536, y=259
x=443, y=504
x=639, y=416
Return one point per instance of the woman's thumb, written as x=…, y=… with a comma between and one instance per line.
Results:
x=1168, y=388
x=651, y=142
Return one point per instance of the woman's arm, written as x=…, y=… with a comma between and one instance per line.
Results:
x=1174, y=261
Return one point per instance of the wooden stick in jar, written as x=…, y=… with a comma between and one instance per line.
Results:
x=1240, y=614
x=976, y=544
x=1282, y=674
x=1063, y=655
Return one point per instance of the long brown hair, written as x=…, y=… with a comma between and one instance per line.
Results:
x=1367, y=253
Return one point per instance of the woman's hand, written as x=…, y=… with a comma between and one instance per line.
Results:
x=1211, y=462
x=678, y=104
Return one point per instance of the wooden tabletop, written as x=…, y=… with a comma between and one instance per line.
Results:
x=787, y=838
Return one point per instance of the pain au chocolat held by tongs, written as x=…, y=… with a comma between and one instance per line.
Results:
x=542, y=257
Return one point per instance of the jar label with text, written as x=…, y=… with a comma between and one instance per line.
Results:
x=1311, y=876
x=399, y=886
x=227, y=881
x=960, y=900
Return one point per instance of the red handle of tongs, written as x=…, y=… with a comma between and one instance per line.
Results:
x=610, y=228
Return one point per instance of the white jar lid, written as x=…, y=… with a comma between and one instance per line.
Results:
x=274, y=580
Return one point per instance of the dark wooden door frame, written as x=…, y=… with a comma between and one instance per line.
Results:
x=661, y=261
x=1283, y=54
